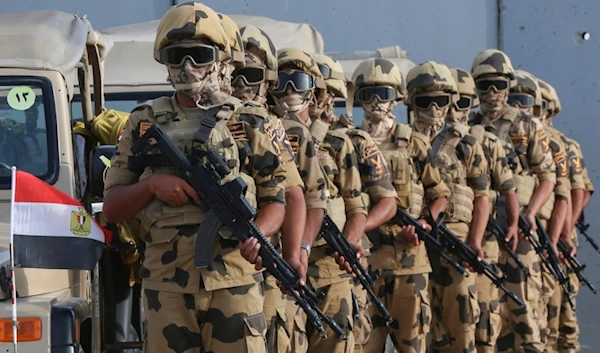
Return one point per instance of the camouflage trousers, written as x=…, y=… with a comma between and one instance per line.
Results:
x=563, y=328
x=220, y=321
x=362, y=326
x=278, y=338
x=455, y=311
x=337, y=303
x=489, y=324
x=407, y=299
x=549, y=288
x=520, y=326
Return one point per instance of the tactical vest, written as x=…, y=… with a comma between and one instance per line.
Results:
x=525, y=181
x=182, y=133
x=454, y=173
x=484, y=137
x=403, y=170
x=336, y=209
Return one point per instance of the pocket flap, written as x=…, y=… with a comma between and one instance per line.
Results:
x=161, y=235
x=256, y=324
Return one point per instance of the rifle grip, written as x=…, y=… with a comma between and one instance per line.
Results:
x=209, y=229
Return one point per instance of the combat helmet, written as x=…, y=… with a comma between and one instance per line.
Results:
x=234, y=38
x=465, y=84
x=304, y=62
x=333, y=73
x=430, y=76
x=190, y=21
x=255, y=40
x=550, y=101
x=526, y=92
x=492, y=62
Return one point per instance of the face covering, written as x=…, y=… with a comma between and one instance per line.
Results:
x=429, y=121
x=491, y=101
x=199, y=83
x=294, y=102
x=377, y=111
x=457, y=116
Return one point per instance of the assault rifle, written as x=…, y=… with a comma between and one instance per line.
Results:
x=574, y=264
x=552, y=264
x=336, y=240
x=494, y=228
x=468, y=255
x=226, y=205
x=583, y=227
x=402, y=218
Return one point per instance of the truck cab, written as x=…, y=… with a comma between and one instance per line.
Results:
x=44, y=56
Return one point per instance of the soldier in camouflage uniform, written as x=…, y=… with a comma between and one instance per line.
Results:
x=464, y=168
x=251, y=82
x=398, y=258
x=563, y=329
x=534, y=173
x=335, y=154
x=527, y=96
x=218, y=308
x=237, y=54
x=502, y=192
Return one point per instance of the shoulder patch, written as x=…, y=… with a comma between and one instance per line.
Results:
x=374, y=158
x=294, y=143
x=238, y=131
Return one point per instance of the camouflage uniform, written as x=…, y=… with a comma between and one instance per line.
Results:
x=342, y=193
x=402, y=268
x=489, y=324
x=533, y=163
x=256, y=41
x=563, y=328
x=464, y=170
x=191, y=309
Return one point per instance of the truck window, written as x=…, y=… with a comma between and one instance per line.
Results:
x=28, y=137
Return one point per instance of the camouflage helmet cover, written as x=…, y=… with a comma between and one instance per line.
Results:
x=465, y=83
x=189, y=21
x=429, y=77
x=303, y=61
x=549, y=94
x=492, y=61
x=337, y=80
x=255, y=40
x=234, y=38
x=527, y=83
x=379, y=71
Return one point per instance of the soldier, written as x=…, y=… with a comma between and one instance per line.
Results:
x=299, y=84
x=526, y=144
x=463, y=167
x=251, y=82
x=237, y=54
x=336, y=152
x=527, y=97
x=563, y=328
x=504, y=206
x=191, y=309
x=398, y=258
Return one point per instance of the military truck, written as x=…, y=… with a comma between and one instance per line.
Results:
x=47, y=59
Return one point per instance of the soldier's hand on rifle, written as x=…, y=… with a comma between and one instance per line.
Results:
x=249, y=250
x=531, y=220
x=512, y=237
x=345, y=265
x=408, y=232
x=476, y=246
x=172, y=189
x=299, y=264
x=572, y=248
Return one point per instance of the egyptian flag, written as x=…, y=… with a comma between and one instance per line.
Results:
x=52, y=230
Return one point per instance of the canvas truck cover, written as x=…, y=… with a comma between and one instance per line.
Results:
x=131, y=61
x=48, y=40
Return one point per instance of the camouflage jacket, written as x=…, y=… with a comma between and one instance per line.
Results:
x=169, y=255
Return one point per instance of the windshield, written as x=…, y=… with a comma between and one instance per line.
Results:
x=28, y=138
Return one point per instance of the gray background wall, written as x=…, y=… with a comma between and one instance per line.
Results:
x=541, y=37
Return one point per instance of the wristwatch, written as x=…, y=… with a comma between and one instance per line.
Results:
x=306, y=247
